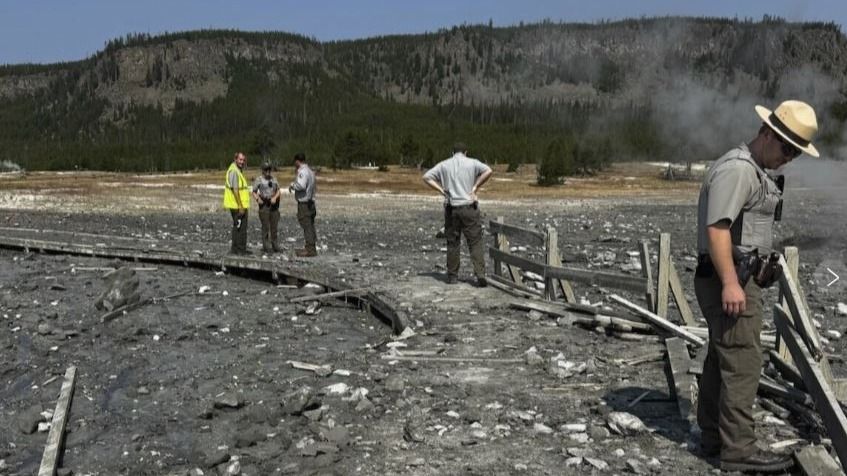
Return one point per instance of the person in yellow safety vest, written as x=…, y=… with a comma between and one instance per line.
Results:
x=237, y=201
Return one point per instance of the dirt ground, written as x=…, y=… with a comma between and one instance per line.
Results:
x=202, y=383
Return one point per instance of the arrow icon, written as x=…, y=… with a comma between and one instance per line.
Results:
x=834, y=280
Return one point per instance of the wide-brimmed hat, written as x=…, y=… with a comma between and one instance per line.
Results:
x=795, y=121
x=267, y=165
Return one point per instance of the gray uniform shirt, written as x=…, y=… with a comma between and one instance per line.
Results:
x=457, y=176
x=730, y=187
x=304, y=184
x=266, y=188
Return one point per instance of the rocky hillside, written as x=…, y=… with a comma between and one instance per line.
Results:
x=282, y=89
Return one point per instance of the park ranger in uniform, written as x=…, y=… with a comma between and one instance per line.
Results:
x=237, y=201
x=459, y=178
x=735, y=215
x=266, y=192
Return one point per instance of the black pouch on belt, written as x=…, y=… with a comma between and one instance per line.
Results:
x=765, y=270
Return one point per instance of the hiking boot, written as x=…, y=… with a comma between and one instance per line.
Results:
x=759, y=462
x=481, y=282
x=452, y=280
x=304, y=253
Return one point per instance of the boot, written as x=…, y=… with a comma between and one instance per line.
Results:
x=306, y=253
x=759, y=462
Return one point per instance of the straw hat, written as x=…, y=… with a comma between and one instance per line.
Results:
x=795, y=121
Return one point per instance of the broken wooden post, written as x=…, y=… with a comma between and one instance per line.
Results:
x=554, y=259
x=647, y=272
x=503, y=245
x=55, y=439
x=664, y=271
x=792, y=258
x=679, y=296
x=825, y=401
x=659, y=321
x=681, y=382
x=320, y=297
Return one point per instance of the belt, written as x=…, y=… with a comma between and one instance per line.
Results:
x=306, y=202
x=470, y=205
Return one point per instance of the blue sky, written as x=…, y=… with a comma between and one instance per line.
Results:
x=45, y=31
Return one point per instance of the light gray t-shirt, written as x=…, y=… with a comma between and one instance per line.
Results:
x=729, y=187
x=456, y=176
x=304, y=184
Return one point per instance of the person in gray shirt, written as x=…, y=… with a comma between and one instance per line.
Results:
x=738, y=205
x=304, y=193
x=266, y=192
x=458, y=179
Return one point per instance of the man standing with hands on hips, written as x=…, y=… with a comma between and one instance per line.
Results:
x=237, y=201
x=304, y=193
x=738, y=205
x=459, y=178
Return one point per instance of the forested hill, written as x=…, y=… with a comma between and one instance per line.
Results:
x=663, y=88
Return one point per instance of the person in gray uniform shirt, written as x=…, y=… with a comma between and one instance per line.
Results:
x=459, y=179
x=304, y=193
x=738, y=205
x=266, y=192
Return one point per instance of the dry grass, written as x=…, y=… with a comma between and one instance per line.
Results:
x=621, y=180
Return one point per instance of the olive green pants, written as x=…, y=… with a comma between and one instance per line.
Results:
x=731, y=371
x=306, y=213
x=269, y=217
x=458, y=221
x=239, y=232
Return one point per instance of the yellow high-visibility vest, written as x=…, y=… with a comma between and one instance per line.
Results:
x=243, y=190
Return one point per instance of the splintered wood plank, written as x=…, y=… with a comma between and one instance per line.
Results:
x=792, y=258
x=801, y=322
x=679, y=297
x=600, y=278
x=682, y=381
x=55, y=439
x=825, y=401
x=664, y=271
x=659, y=321
x=647, y=272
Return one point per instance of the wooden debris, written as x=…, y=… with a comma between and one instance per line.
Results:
x=318, y=297
x=664, y=271
x=825, y=401
x=682, y=382
x=532, y=237
x=658, y=321
x=652, y=357
x=786, y=369
x=599, y=278
x=322, y=370
x=553, y=259
x=801, y=322
x=111, y=315
x=768, y=340
x=594, y=320
x=816, y=461
x=635, y=401
x=679, y=297
x=451, y=359
x=647, y=272
x=501, y=242
x=55, y=439
x=772, y=407
x=512, y=288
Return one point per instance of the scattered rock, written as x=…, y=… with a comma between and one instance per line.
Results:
x=842, y=309
x=228, y=400
x=598, y=463
x=542, y=429
x=364, y=406
x=215, y=458
x=624, y=423
x=29, y=419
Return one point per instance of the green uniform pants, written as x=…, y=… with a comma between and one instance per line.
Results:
x=239, y=232
x=306, y=213
x=270, y=223
x=731, y=371
x=458, y=221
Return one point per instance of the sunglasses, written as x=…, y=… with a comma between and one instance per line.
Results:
x=788, y=149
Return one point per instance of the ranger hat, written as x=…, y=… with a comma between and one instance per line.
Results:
x=267, y=165
x=795, y=121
